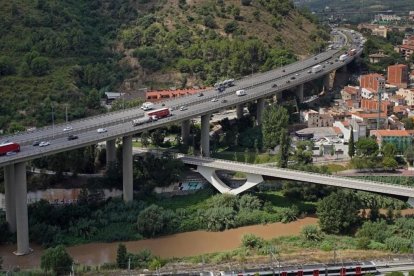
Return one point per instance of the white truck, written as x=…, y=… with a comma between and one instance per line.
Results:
x=240, y=92
x=147, y=106
x=142, y=120
x=343, y=57
x=316, y=68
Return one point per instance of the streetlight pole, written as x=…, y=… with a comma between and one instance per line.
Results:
x=53, y=122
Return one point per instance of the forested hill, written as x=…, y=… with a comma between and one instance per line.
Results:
x=66, y=53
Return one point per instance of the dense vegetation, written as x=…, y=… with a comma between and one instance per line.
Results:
x=64, y=54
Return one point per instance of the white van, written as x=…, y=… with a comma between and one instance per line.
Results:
x=240, y=92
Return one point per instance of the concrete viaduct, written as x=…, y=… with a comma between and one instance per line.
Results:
x=118, y=125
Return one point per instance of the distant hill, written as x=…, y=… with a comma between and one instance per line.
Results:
x=66, y=53
x=359, y=9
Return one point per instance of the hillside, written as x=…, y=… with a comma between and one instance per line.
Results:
x=66, y=53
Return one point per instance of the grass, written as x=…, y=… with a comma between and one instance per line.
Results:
x=192, y=201
x=279, y=200
x=332, y=168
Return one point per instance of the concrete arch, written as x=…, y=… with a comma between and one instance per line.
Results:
x=210, y=175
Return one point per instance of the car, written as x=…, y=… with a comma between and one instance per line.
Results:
x=163, y=104
x=283, y=70
x=10, y=153
x=182, y=108
x=336, y=60
x=288, y=81
x=44, y=144
x=101, y=130
x=72, y=137
x=309, y=72
x=214, y=100
x=200, y=94
x=35, y=143
x=224, y=101
x=297, y=74
x=68, y=128
x=274, y=85
x=316, y=58
x=292, y=77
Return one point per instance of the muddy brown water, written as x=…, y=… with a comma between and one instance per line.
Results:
x=177, y=245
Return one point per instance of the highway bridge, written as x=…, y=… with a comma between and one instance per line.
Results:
x=208, y=167
x=118, y=124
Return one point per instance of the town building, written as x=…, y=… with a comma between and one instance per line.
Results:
x=386, y=18
x=370, y=119
x=400, y=138
x=316, y=119
x=351, y=93
x=408, y=95
x=411, y=15
x=372, y=106
x=398, y=75
x=381, y=31
x=377, y=57
x=395, y=123
x=368, y=93
x=372, y=81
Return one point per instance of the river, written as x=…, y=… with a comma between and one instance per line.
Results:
x=177, y=245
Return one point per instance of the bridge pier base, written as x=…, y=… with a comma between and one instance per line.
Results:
x=299, y=93
x=205, y=135
x=10, y=195
x=239, y=111
x=127, y=182
x=410, y=201
x=185, y=131
x=22, y=221
x=260, y=110
x=110, y=152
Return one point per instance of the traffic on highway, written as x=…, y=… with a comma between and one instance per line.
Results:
x=57, y=138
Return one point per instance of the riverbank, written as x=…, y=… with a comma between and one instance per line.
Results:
x=178, y=245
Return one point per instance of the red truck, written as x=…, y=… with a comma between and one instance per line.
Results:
x=160, y=113
x=9, y=147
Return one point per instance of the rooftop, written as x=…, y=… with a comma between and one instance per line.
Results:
x=390, y=132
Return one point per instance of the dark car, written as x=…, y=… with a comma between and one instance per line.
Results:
x=292, y=77
x=288, y=81
x=200, y=94
x=274, y=85
x=72, y=137
x=36, y=143
x=224, y=101
x=283, y=70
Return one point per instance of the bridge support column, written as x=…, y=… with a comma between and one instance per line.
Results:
x=299, y=93
x=239, y=111
x=185, y=131
x=110, y=151
x=205, y=135
x=278, y=97
x=326, y=83
x=22, y=221
x=128, y=188
x=10, y=195
x=411, y=201
x=260, y=110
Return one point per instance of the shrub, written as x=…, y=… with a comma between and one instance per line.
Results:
x=57, y=260
x=40, y=66
x=398, y=244
x=363, y=243
x=6, y=66
x=377, y=231
x=231, y=27
x=252, y=241
x=311, y=233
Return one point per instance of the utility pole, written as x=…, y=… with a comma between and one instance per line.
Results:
x=53, y=122
x=381, y=84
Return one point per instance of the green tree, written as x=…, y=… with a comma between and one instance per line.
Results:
x=408, y=123
x=153, y=220
x=389, y=150
x=303, y=153
x=409, y=155
x=6, y=66
x=275, y=120
x=57, y=260
x=283, y=155
x=145, y=139
x=157, y=137
x=40, y=66
x=367, y=147
x=231, y=27
x=338, y=212
x=122, y=256
x=389, y=163
x=311, y=233
x=351, y=146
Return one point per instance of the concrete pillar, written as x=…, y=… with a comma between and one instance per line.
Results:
x=205, y=135
x=277, y=97
x=128, y=188
x=22, y=222
x=239, y=111
x=110, y=151
x=185, y=131
x=10, y=195
x=259, y=111
x=299, y=93
x=326, y=83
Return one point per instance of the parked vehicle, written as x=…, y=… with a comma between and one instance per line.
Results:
x=240, y=92
x=160, y=113
x=316, y=68
x=147, y=106
x=9, y=147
